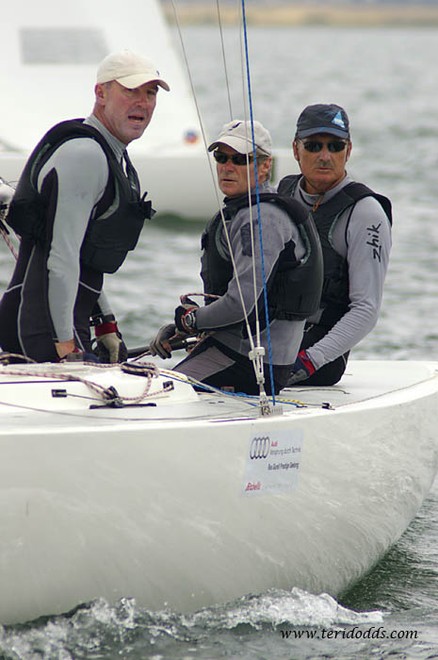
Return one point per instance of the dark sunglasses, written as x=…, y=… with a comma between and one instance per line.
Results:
x=236, y=159
x=315, y=147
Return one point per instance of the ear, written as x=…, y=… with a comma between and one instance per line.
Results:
x=99, y=93
x=295, y=150
x=349, y=148
x=263, y=169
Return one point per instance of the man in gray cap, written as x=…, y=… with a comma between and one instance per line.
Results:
x=354, y=224
x=78, y=210
x=231, y=258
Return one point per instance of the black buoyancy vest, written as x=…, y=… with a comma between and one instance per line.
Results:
x=294, y=287
x=116, y=221
x=335, y=293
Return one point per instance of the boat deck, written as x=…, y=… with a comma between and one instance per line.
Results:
x=367, y=379
x=28, y=398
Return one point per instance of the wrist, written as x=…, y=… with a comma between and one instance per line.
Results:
x=98, y=319
x=105, y=328
x=189, y=320
x=307, y=362
x=185, y=319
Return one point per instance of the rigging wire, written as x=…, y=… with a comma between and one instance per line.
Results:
x=195, y=100
x=256, y=351
x=257, y=195
x=213, y=177
x=210, y=164
x=224, y=59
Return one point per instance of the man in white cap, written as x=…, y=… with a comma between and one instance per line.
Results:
x=78, y=210
x=292, y=272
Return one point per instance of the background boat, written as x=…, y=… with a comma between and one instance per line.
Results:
x=50, y=53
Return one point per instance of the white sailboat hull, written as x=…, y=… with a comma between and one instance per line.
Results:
x=163, y=503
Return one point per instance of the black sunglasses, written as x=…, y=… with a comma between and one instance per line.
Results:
x=236, y=159
x=315, y=147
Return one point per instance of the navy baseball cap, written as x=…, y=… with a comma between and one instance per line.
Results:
x=323, y=118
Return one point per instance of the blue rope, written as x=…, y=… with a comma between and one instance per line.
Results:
x=257, y=192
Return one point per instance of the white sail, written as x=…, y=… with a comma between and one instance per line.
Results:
x=50, y=52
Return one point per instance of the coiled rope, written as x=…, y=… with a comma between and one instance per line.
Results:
x=109, y=394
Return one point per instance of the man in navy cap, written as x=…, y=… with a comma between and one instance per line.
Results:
x=354, y=224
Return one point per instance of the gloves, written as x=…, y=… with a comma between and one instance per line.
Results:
x=302, y=369
x=160, y=344
x=110, y=345
x=185, y=316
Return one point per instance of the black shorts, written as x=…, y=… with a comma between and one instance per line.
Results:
x=217, y=365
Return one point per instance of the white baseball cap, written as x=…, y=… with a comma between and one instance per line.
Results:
x=237, y=134
x=129, y=69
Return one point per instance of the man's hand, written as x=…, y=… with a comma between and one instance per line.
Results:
x=110, y=345
x=63, y=348
x=302, y=369
x=160, y=344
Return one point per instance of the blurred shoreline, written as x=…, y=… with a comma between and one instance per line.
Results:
x=347, y=15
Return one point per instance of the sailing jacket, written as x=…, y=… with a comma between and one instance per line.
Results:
x=116, y=221
x=294, y=286
x=232, y=316
x=335, y=299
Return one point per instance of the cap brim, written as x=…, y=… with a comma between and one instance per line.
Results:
x=321, y=130
x=139, y=79
x=241, y=145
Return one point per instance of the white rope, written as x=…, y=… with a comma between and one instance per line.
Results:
x=109, y=394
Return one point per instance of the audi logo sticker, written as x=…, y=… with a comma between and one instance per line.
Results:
x=260, y=447
x=273, y=462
